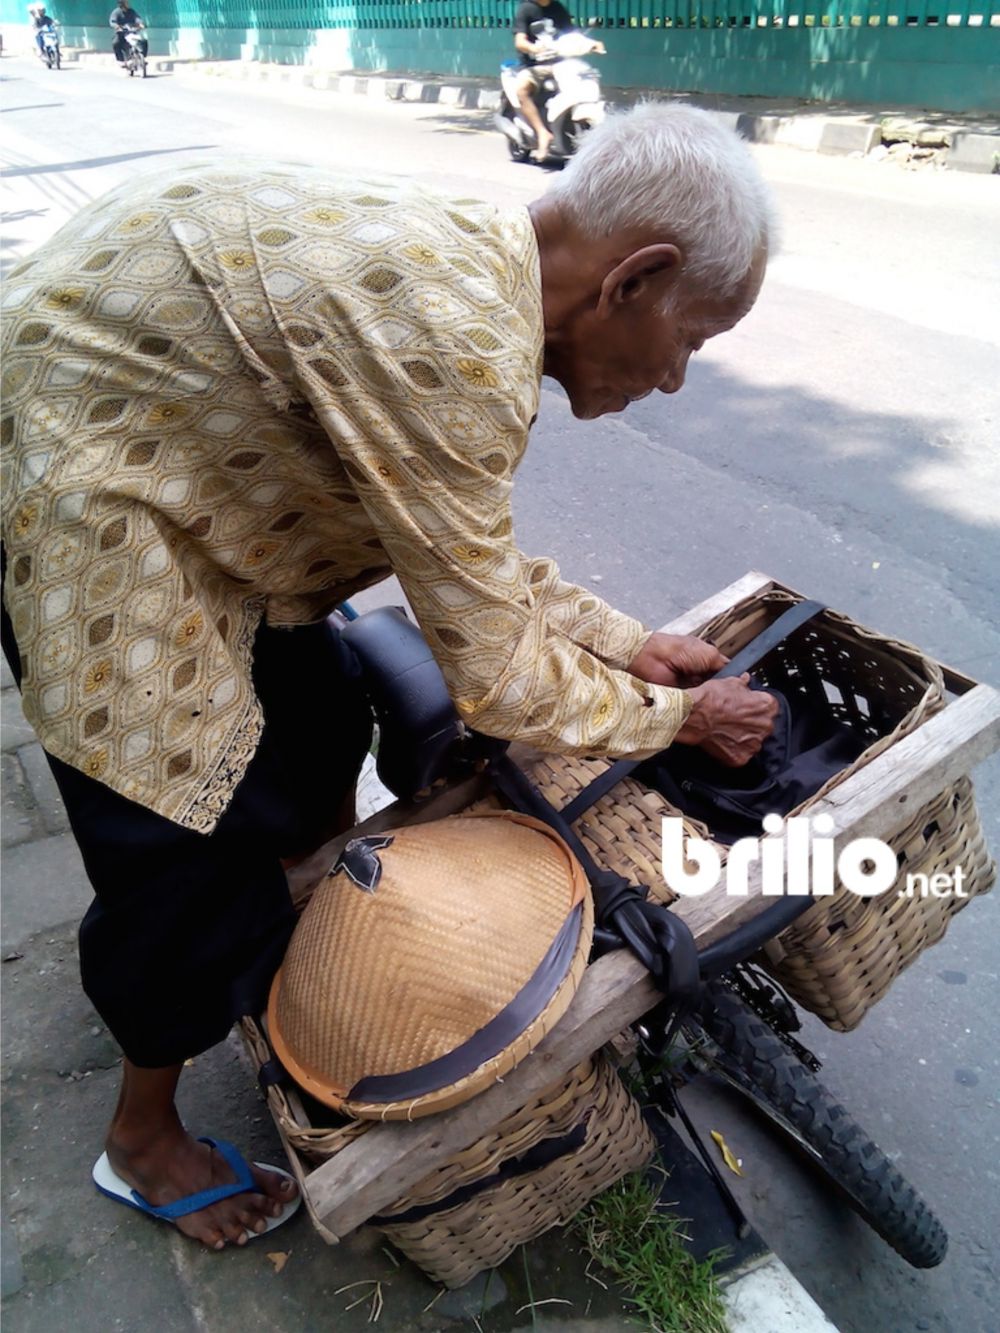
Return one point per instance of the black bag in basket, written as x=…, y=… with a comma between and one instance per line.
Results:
x=805, y=750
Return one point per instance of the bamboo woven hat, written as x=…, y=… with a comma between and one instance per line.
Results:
x=429, y=962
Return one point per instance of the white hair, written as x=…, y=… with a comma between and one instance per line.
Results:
x=672, y=173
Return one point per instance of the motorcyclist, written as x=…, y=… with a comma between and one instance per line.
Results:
x=122, y=18
x=42, y=21
x=533, y=44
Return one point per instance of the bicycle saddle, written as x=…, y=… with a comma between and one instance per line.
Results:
x=419, y=729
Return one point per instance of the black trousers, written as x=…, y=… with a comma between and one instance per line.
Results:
x=186, y=930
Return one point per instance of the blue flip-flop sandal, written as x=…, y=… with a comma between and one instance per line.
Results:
x=112, y=1185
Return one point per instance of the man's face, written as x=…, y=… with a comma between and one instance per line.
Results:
x=615, y=355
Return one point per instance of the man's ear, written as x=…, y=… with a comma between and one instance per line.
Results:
x=649, y=272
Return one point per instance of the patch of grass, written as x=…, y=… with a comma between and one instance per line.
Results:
x=643, y=1249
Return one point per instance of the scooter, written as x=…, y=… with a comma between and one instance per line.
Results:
x=50, y=51
x=569, y=100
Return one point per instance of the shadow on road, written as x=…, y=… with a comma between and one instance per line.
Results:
x=462, y=122
x=20, y=214
x=36, y=106
x=867, y=476
x=50, y=168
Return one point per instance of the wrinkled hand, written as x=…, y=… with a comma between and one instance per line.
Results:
x=677, y=660
x=728, y=720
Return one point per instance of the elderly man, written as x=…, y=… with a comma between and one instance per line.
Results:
x=238, y=394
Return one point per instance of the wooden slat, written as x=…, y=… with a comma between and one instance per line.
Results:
x=750, y=585
x=374, y=1172
x=958, y=682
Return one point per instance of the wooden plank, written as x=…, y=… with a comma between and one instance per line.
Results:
x=690, y=622
x=373, y=1173
x=956, y=681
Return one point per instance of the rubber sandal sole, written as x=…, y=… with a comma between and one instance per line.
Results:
x=113, y=1187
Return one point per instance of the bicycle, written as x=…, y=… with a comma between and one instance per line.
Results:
x=727, y=1018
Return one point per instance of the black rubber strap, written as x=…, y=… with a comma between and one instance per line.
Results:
x=787, y=623
x=535, y=1159
x=745, y=940
x=593, y=792
x=661, y=941
x=757, y=649
x=271, y=1073
x=523, y=795
x=494, y=1037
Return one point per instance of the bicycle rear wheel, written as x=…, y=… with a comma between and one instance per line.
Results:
x=750, y=1056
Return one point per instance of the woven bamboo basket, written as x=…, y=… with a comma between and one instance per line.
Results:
x=843, y=954
x=474, y=1210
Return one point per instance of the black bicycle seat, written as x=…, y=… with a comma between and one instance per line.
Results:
x=419, y=728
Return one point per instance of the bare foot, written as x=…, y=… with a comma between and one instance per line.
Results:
x=544, y=147
x=169, y=1164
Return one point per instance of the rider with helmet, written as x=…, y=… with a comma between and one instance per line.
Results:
x=41, y=21
x=123, y=17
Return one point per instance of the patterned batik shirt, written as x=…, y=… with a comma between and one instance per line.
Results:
x=245, y=391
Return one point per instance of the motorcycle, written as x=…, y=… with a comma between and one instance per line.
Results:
x=49, y=46
x=135, y=56
x=569, y=99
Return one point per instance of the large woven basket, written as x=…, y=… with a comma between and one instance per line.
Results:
x=476, y=1208
x=479, y=1207
x=843, y=954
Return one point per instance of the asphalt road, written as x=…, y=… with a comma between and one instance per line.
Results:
x=843, y=438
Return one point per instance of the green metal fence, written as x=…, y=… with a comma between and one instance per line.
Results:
x=943, y=54
x=701, y=14
x=387, y=15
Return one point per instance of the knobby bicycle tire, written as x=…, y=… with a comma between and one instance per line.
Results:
x=753, y=1059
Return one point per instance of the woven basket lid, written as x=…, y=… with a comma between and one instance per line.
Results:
x=429, y=962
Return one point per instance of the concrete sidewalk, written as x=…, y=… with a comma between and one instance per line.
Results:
x=914, y=136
